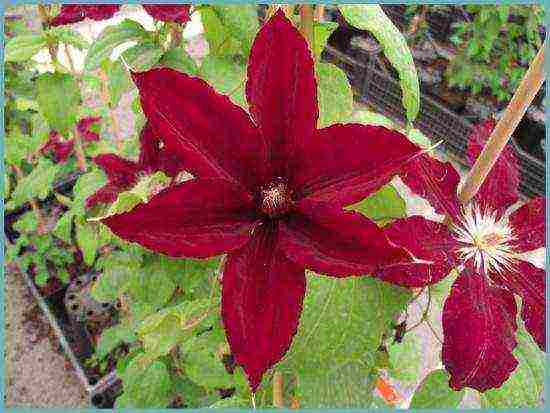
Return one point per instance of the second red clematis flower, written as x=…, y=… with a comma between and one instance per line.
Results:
x=123, y=174
x=270, y=190
x=486, y=245
x=73, y=13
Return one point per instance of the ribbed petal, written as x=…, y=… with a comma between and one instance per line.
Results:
x=335, y=242
x=168, y=13
x=343, y=164
x=83, y=127
x=529, y=282
x=212, y=136
x=435, y=181
x=500, y=189
x=528, y=223
x=427, y=241
x=72, y=13
x=200, y=219
x=262, y=298
x=281, y=90
x=479, y=327
x=154, y=156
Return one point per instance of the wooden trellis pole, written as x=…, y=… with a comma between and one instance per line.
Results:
x=521, y=100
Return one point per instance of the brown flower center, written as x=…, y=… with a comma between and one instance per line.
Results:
x=275, y=199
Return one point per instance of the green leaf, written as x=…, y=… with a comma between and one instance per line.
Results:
x=241, y=21
x=85, y=187
x=163, y=330
x=143, y=56
x=226, y=76
x=117, y=268
x=87, y=241
x=23, y=47
x=434, y=393
x=341, y=327
x=220, y=40
x=58, y=97
x=111, y=37
x=66, y=35
x=178, y=59
x=383, y=206
x=205, y=369
x=321, y=34
x=368, y=117
x=112, y=337
x=27, y=223
x=334, y=94
x=371, y=17
x=406, y=358
x=64, y=226
x=231, y=403
x=119, y=80
x=38, y=184
x=152, y=285
x=145, y=385
x=524, y=387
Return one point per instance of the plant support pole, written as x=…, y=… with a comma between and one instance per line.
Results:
x=306, y=23
x=521, y=100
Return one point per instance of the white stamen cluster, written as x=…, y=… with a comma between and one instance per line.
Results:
x=485, y=239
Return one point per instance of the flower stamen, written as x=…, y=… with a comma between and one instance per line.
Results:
x=485, y=239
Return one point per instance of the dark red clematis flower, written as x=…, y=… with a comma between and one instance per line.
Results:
x=270, y=191
x=73, y=13
x=63, y=149
x=169, y=13
x=123, y=174
x=486, y=245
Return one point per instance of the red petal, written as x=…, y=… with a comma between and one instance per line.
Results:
x=281, y=90
x=153, y=157
x=479, y=327
x=83, y=128
x=529, y=282
x=120, y=171
x=528, y=223
x=343, y=164
x=435, y=181
x=166, y=13
x=213, y=136
x=200, y=219
x=61, y=149
x=425, y=240
x=500, y=189
x=72, y=13
x=261, y=303
x=336, y=242
x=104, y=195
x=122, y=175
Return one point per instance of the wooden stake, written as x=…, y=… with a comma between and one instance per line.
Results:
x=521, y=100
x=278, y=383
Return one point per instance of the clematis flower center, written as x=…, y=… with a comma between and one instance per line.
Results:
x=275, y=199
x=485, y=239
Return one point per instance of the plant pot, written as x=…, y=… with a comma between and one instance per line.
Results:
x=77, y=343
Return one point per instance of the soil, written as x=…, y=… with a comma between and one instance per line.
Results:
x=35, y=369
